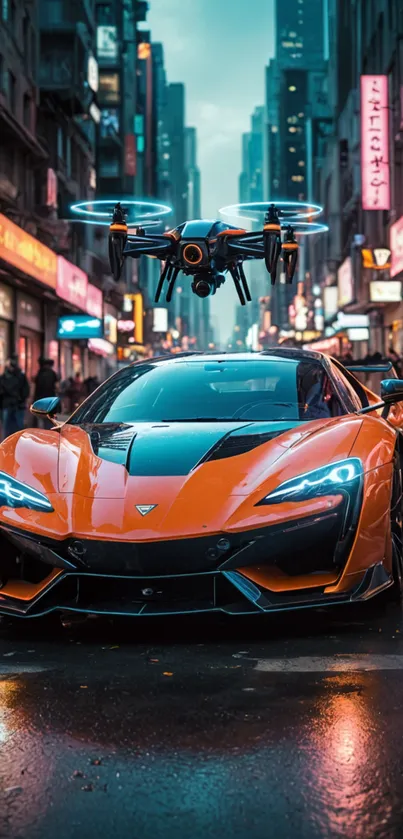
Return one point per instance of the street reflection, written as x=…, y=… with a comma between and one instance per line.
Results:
x=7, y=689
x=347, y=744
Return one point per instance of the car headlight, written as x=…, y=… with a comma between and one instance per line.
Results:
x=13, y=493
x=334, y=479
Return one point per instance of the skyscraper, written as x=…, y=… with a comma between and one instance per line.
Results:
x=296, y=109
x=300, y=34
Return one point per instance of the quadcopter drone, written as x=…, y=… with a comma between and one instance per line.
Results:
x=207, y=250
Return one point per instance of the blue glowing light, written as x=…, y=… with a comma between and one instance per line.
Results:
x=290, y=210
x=306, y=228
x=80, y=327
x=14, y=494
x=318, y=482
x=138, y=211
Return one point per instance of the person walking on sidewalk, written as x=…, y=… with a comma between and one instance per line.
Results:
x=46, y=382
x=14, y=392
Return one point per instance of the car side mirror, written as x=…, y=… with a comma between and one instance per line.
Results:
x=392, y=390
x=47, y=407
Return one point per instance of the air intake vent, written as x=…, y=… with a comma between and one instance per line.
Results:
x=239, y=444
x=112, y=437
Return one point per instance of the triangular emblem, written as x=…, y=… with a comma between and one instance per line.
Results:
x=145, y=508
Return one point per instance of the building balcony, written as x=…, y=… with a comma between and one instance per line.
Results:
x=63, y=15
x=13, y=132
x=63, y=69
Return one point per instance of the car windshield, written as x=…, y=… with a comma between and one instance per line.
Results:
x=216, y=390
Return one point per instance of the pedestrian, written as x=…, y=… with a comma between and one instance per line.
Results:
x=76, y=392
x=90, y=384
x=14, y=392
x=46, y=384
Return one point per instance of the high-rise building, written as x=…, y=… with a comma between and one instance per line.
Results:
x=298, y=116
x=252, y=185
x=176, y=131
x=48, y=118
x=300, y=33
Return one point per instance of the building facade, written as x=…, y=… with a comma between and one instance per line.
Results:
x=298, y=119
x=360, y=182
x=48, y=114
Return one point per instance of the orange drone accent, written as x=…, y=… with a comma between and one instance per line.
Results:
x=195, y=248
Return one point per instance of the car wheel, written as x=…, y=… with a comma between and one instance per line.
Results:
x=396, y=526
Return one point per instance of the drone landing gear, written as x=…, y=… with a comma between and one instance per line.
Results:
x=164, y=273
x=172, y=281
x=170, y=274
x=240, y=283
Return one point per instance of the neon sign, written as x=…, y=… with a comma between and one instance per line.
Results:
x=375, y=143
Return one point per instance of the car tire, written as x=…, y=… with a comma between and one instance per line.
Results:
x=396, y=525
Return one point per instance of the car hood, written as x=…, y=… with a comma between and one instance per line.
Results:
x=109, y=460
x=103, y=481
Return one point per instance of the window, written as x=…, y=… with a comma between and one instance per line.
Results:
x=60, y=143
x=5, y=9
x=25, y=41
x=12, y=15
x=11, y=91
x=109, y=165
x=292, y=149
x=266, y=390
x=109, y=122
x=109, y=87
x=27, y=111
x=68, y=157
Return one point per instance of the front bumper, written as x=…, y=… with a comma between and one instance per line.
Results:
x=204, y=574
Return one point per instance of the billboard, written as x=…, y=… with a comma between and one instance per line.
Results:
x=375, y=172
x=72, y=283
x=94, y=301
x=389, y=291
x=345, y=283
x=160, y=320
x=107, y=42
x=27, y=254
x=396, y=246
x=79, y=327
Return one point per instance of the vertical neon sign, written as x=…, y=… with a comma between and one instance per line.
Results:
x=375, y=143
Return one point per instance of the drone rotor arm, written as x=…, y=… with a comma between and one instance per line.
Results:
x=149, y=246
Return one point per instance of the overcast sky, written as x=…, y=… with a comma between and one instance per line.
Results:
x=219, y=49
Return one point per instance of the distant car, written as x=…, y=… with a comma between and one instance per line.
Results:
x=240, y=483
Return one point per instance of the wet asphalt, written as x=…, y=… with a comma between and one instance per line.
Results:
x=286, y=726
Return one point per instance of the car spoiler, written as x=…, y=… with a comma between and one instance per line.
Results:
x=369, y=368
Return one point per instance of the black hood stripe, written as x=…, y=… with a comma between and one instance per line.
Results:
x=157, y=450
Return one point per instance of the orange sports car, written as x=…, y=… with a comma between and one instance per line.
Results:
x=240, y=483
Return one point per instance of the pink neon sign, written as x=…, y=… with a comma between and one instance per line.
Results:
x=375, y=143
x=72, y=283
x=396, y=246
x=94, y=301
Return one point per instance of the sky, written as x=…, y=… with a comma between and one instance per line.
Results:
x=219, y=49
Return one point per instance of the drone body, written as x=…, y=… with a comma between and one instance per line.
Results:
x=205, y=250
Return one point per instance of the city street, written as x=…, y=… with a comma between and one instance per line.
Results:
x=285, y=727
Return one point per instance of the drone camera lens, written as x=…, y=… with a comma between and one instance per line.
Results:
x=192, y=254
x=202, y=288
